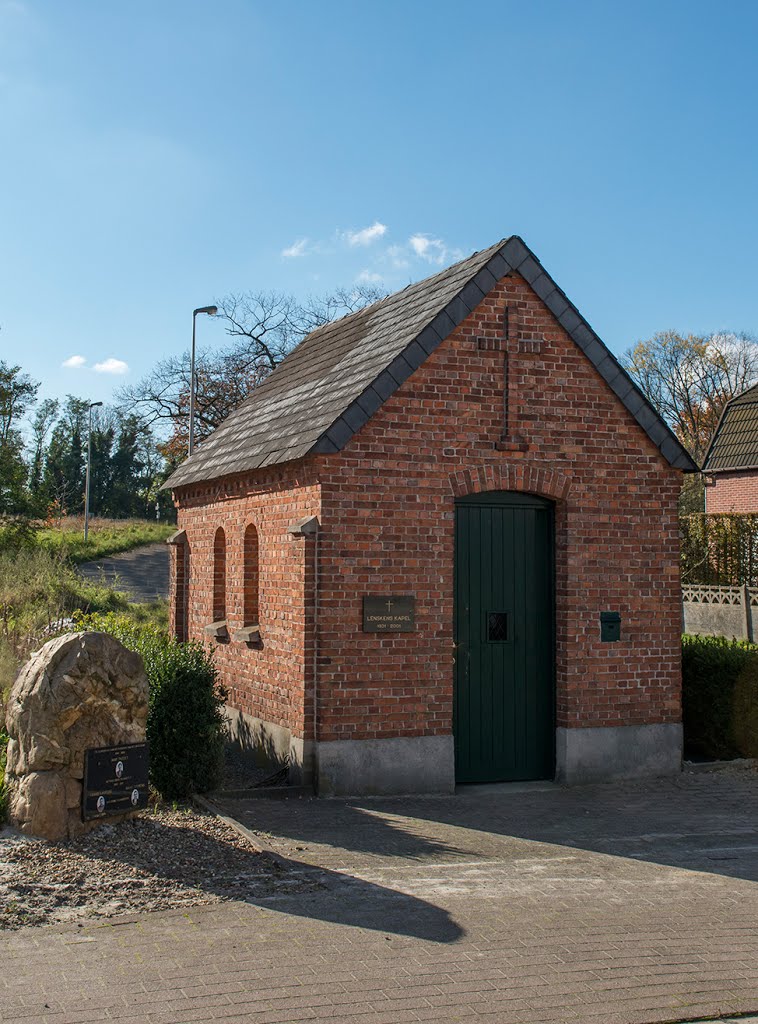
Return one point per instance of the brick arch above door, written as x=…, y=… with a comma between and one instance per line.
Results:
x=503, y=476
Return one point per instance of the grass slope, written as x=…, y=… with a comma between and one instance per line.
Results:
x=105, y=537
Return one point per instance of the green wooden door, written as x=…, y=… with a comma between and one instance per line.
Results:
x=504, y=600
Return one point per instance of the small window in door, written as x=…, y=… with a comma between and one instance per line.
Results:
x=497, y=627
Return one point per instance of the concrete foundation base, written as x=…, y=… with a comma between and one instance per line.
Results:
x=270, y=745
x=417, y=764
x=621, y=752
x=426, y=764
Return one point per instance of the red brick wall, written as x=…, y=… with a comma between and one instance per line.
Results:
x=733, y=492
x=386, y=505
x=266, y=680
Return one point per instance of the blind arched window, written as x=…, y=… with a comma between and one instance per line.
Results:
x=219, y=575
x=251, y=577
x=181, y=603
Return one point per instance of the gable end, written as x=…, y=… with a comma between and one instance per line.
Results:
x=513, y=256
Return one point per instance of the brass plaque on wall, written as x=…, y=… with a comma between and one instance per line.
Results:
x=391, y=614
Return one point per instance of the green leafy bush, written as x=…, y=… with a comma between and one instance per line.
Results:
x=720, y=697
x=185, y=724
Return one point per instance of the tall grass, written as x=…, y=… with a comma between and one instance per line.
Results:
x=105, y=536
x=41, y=591
x=38, y=589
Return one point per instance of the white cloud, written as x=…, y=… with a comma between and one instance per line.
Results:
x=74, y=362
x=366, y=235
x=111, y=365
x=397, y=256
x=433, y=250
x=369, y=277
x=297, y=248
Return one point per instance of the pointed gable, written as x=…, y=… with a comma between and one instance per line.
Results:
x=341, y=373
x=734, y=445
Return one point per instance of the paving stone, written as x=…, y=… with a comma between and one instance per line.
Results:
x=599, y=905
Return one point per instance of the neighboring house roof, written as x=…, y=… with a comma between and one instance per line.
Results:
x=734, y=444
x=341, y=373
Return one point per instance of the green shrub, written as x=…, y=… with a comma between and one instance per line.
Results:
x=185, y=724
x=720, y=697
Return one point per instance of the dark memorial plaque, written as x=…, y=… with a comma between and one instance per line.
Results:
x=115, y=780
x=391, y=614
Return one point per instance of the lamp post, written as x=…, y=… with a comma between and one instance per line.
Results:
x=211, y=311
x=92, y=405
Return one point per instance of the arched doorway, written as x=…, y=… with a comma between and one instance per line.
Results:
x=504, y=694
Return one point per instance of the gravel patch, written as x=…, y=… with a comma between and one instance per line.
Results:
x=159, y=860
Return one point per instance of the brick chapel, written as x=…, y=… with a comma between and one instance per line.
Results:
x=439, y=545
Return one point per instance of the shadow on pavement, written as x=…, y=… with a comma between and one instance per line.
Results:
x=201, y=861
x=703, y=822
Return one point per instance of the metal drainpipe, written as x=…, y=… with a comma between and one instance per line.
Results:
x=315, y=643
x=309, y=527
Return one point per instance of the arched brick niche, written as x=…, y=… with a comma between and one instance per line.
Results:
x=219, y=575
x=251, y=577
x=524, y=477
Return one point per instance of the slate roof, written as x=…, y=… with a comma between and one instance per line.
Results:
x=341, y=373
x=734, y=444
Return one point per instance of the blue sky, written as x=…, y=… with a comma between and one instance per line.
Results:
x=158, y=155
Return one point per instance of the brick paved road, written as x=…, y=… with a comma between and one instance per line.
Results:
x=615, y=905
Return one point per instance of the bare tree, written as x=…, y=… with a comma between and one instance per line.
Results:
x=690, y=379
x=263, y=328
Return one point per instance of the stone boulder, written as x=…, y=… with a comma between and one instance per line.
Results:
x=79, y=691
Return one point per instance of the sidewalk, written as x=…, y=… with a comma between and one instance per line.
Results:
x=623, y=904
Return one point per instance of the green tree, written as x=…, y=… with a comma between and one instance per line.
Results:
x=64, y=471
x=18, y=392
x=44, y=419
x=127, y=483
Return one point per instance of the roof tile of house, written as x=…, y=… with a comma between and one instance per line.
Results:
x=735, y=443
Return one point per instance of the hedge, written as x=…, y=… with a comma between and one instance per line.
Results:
x=719, y=549
x=720, y=697
x=185, y=725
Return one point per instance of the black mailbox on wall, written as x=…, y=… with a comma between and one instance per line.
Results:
x=610, y=627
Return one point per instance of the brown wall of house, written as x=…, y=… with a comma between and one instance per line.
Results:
x=733, y=492
x=388, y=527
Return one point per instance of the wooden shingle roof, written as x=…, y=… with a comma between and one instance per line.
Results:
x=338, y=376
x=734, y=445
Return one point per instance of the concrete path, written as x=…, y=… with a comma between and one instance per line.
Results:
x=619, y=904
x=141, y=573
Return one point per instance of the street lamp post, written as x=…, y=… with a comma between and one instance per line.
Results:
x=92, y=405
x=211, y=311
